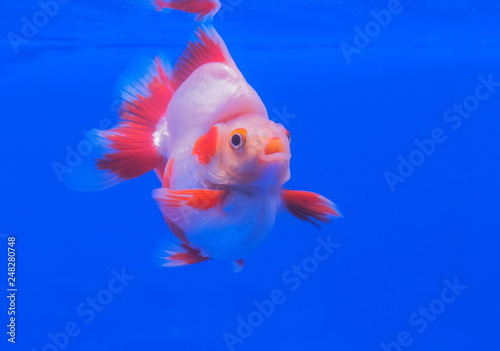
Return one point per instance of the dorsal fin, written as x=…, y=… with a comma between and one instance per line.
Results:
x=207, y=47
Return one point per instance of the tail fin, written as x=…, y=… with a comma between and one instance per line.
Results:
x=128, y=150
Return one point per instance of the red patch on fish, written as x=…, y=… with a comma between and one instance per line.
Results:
x=206, y=146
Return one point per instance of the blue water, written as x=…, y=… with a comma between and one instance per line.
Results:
x=405, y=238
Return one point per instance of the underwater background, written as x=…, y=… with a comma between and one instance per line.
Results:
x=394, y=108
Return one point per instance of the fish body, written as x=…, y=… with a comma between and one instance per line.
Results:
x=221, y=161
x=211, y=103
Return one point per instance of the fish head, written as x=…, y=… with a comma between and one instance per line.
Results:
x=251, y=150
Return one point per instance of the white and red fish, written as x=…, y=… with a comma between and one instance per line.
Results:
x=203, y=9
x=221, y=160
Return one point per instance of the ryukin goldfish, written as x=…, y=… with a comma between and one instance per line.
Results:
x=221, y=161
x=204, y=9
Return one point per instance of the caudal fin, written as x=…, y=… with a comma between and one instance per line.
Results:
x=128, y=150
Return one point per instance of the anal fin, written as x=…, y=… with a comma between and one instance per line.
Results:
x=180, y=258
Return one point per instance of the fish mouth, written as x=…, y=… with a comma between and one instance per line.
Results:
x=274, y=146
x=275, y=151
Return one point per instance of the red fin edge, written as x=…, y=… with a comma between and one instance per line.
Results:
x=206, y=48
x=179, y=258
x=308, y=206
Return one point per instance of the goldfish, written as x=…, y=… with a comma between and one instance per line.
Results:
x=203, y=9
x=221, y=161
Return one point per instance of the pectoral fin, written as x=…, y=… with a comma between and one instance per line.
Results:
x=310, y=207
x=198, y=199
x=181, y=207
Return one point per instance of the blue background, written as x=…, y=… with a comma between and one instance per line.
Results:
x=352, y=122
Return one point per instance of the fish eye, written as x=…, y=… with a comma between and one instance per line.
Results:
x=237, y=139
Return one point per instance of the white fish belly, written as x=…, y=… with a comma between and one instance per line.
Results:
x=237, y=232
